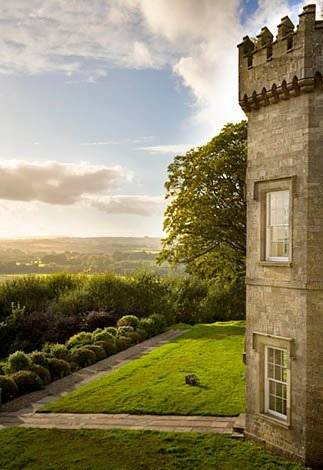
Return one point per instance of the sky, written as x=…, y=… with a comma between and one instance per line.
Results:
x=97, y=97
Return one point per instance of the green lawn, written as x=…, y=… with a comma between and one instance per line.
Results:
x=155, y=383
x=51, y=449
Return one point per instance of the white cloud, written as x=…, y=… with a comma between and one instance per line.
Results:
x=54, y=182
x=103, y=142
x=195, y=38
x=167, y=149
x=134, y=205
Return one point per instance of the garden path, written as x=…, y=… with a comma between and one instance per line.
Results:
x=24, y=411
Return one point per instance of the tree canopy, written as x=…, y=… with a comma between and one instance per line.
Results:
x=205, y=221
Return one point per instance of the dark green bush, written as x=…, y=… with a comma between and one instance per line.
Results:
x=58, y=368
x=59, y=351
x=42, y=373
x=135, y=337
x=112, y=330
x=18, y=361
x=123, y=342
x=99, y=319
x=80, y=339
x=143, y=333
x=39, y=358
x=83, y=357
x=3, y=369
x=9, y=389
x=125, y=330
x=27, y=381
x=129, y=320
x=102, y=335
x=148, y=325
x=108, y=346
x=159, y=322
x=98, y=350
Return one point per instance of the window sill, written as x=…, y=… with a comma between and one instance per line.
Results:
x=285, y=264
x=284, y=424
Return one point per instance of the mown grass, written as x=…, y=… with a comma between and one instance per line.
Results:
x=52, y=449
x=155, y=383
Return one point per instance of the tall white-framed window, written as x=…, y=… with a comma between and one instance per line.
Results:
x=277, y=226
x=276, y=382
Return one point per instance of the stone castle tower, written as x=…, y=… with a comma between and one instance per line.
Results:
x=280, y=90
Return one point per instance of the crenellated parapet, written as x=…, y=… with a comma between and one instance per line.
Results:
x=273, y=69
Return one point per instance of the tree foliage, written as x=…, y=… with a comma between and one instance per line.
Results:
x=205, y=221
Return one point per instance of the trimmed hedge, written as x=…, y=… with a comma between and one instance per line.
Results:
x=83, y=357
x=29, y=372
x=39, y=357
x=27, y=381
x=112, y=330
x=80, y=339
x=98, y=350
x=42, y=373
x=109, y=346
x=9, y=389
x=18, y=361
x=58, y=351
x=129, y=320
x=123, y=342
x=58, y=368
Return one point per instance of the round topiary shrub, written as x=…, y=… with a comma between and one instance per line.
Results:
x=135, y=337
x=143, y=333
x=42, y=373
x=80, y=339
x=98, y=350
x=123, y=342
x=129, y=320
x=102, y=335
x=59, y=351
x=58, y=368
x=112, y=330
x=39, y=357
x=148, y=325
x=108, y=346
x=27, y=381
x=159, y=322
x=18, y=361
x=83, y=357
x=125, y=330
x=9, y=389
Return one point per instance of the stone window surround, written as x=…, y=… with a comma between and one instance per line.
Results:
x=260, y=190
x=259, y=342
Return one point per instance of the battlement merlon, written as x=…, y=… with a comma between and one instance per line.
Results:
x=273, y=69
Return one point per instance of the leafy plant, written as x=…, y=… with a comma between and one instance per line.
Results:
x=9, y=389
x=79, y=339
x=59, y=351
x=42, y=373
x=98, y=350
x=83, y=357
x=27, y=381
x=18, y=361
x=58, y=368
x=129, y=320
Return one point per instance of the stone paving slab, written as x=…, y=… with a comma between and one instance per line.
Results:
x=113, y=421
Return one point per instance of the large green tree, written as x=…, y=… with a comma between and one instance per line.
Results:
x=205, y=221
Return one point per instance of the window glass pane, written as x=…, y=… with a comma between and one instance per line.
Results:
x=276, y=387
x=278, y=373
x=277, y=224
